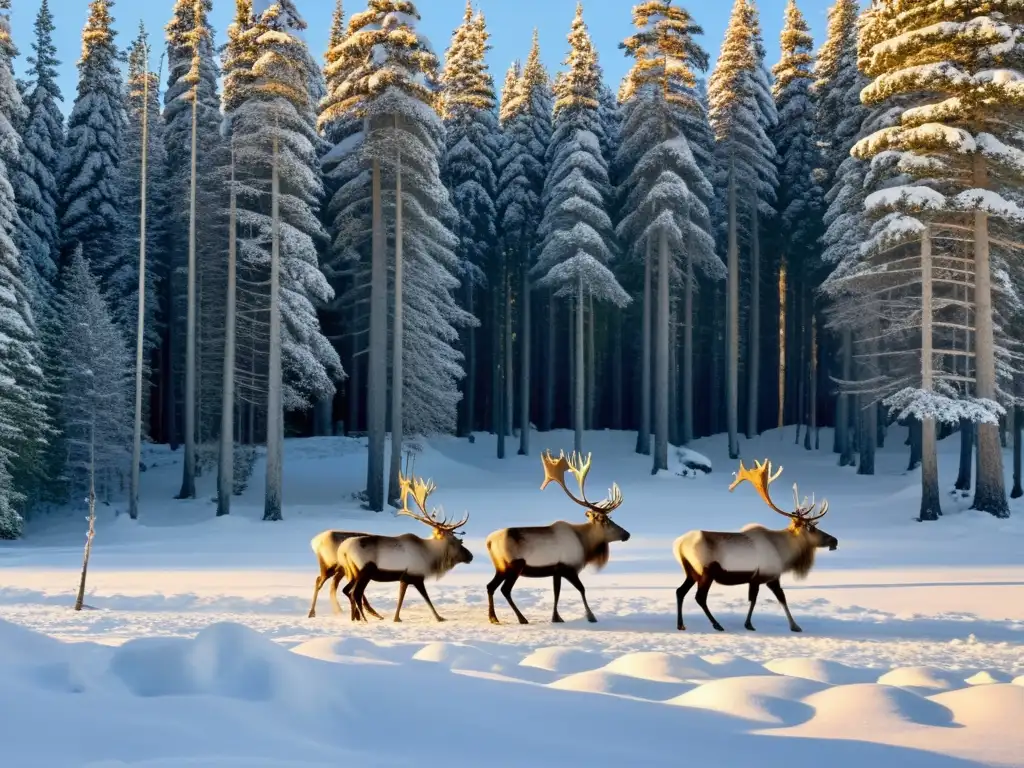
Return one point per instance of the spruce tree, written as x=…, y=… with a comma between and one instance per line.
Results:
x=577, y=232
x=90, y=207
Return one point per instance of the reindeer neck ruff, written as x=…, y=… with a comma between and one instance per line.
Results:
x=446, y=561
x=803, y=557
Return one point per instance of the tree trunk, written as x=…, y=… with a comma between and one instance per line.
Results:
x=1018, y=429
x=843, y=410
x=524, y=372
x=915, y=443
x=783, y=295
x=643, y=436
x=866, y=428
x=551, y=371
x=591, y=361
x=188, y=479
x=617, y=393
x=931, y=507
x=140, y=329
x=579, y=380
x=397, y=346
x=508, y=401
x=674, y=422
x=733, y=308
x=754, y=367
x=990, y=492
x=500, y=309
x=661, y=359
x=469, y=410
x=377, y=373
x=688, y=350
x=812, y=421
x=91, y=533
x=226, y=473
x=275, y=404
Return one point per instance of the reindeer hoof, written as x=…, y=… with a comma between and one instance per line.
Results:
x=493, y=620
x=441, y=619
x=592, y=618
x=522, y=620
x=718, y=627
x=795, y=628
x=311, y=615
x=556, y=619
x=681, y=627
x=750, y=626
x=397, y=620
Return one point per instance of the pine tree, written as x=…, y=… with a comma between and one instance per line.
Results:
x=90, y=208
x=577, y=231
x=745, y=154
x=35, y=180
x=470, y=169
x=959, y=146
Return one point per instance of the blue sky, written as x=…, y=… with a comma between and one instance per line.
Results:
x=511, y=23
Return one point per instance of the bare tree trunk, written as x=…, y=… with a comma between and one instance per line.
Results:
x=617, y=393
x=580, y=373
x=783, y=295
x=508, y=401
x=931, y=506
x=688, y=350
x=524, y=372
x=470, y=408
x=733, y=308
x=674, y=422
x=661, y=359
x=813, y=399
x=989, y=491
x=275, y=404
x=140, y=330
x=377, y=373
x=754, y=369
x=1018, y=434
x=843, y=409
x=397, y=346
x=500, y=307
x=591, y=361
x=643, y=437
x=551, y=373
x=225, y=477
x=91, y=533
x=188, y=480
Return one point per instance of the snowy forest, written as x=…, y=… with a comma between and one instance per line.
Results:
x=257, y=242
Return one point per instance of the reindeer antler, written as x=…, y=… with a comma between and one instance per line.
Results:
x=420, y=489
x=803, y=510
x=760, y=477
x=555, y=469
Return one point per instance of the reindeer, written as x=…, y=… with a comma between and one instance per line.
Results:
x=325, y=546
x=558, y=550
x=407, y=559
x=755, y=555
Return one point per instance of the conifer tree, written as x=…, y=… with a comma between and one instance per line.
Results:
x=578, y=236
x=90, y=208
x=958, y=145
x=470, y=169
x=35, y=179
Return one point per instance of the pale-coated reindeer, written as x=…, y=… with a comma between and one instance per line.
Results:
x=325, y=546
x=406, y=558
x=755, y=555
x=560, y=550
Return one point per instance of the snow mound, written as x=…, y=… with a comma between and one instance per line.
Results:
x=924, y=680
x=458, y=657
x=686, y=462
x=771, y=700
x=1018, y=681
x=224, y=660
x=728, y=665
x=998, y=707
x=563, y=660
x=988, y=677
x=661, y=667
x=603, y=681
x=820, y=670
x=345, y=649
x=875, y=708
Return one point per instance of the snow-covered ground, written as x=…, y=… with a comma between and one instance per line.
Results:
x=197, y=651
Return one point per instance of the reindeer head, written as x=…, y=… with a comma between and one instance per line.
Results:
x=443, y=529
x=598, y=513
x=801, y=520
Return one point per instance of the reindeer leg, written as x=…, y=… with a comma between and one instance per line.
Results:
x=557, y=579
x=752, y=596
x=369, y=608
x=320, y=581
x=347, y=591
x=680, y=594
x=703, y=587
x=574, y=578
x=334, y=591
x=492, y=585
x=418, y=583
x=402, y=586
x=357, y=592
x=776, y=589
x=511, y=577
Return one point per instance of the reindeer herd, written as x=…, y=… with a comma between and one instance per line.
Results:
x=754, y=556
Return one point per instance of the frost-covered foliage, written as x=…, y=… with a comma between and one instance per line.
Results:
x=95, y=383
x=666, y=142
x=35, y=178
x=267, y=96
x=799, y=196
x=577, y=232
x=386, y=72
x=467, y=103
x=192, y=74
x=91, y=210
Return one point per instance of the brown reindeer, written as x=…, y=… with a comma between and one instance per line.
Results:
x=407, y=559
x=325, y=546
x=560, y=550
x=755, y=555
